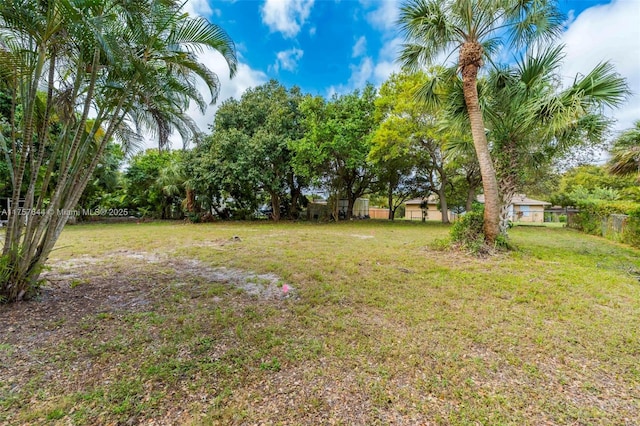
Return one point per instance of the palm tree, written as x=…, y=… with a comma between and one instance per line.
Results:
x=532, y=121
x=474, y=28
x=625, y=152
x=123, y=63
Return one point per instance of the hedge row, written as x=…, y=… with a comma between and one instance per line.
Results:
x=600, y=217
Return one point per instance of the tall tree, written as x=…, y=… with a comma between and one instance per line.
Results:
x=474, y=29
x=120, y=62
x=532, y=120
x=105, y=190
x=410, y=138
x=249, y=151
x=155, y=185
x=334, y=150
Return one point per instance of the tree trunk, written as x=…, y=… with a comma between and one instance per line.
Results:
x=507, y=182
x=191, y=205
x=504, y=212
x=444, y=208
x=392, y=211
x=470, y=62
x=275, y=206
x=295, y=192
x=471, y=197
x=350, y=202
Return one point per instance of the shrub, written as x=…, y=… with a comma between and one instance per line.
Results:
x=593, y=212
x=631, y=234
x=468, y=233
x=468, y=228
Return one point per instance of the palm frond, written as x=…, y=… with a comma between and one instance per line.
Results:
x=625, y=153
x=427, y=31
x=196, y=33
x=602, y=86
x=532, y=21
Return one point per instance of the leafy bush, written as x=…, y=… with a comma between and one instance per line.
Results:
x=594, y=211
x=469, y=228
x=468, y=233
x=594, y=214
x=631, y=234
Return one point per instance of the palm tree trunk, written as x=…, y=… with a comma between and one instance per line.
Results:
x=507, y=183
x=470, y=62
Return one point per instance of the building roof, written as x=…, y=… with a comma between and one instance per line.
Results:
x=431, y=199
x=520, y=200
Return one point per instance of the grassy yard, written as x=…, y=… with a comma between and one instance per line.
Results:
x=165, y=323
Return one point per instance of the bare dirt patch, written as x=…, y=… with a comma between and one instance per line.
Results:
x=80, y=293
x=120, y=281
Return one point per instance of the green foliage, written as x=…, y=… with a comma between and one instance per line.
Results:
x=625, y=153
x=106, y=187
x=598, y=195
x=248, y=158
x=468, y=229
x=591, y=177
x=273, y=365
x=468, y=232
x=155, y=185
x=593, y=211
x=408, y=145
x=6, y=268
x=81, y=75
x=473, y=30
x=335, y=148
x=631, y=234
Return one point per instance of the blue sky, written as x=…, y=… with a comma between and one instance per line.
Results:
x=329, y=46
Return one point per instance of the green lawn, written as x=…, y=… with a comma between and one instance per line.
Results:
x=378, y=328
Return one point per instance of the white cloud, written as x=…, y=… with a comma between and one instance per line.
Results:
x=385, y=16
x=571, y=16
x=361, y=73
x=288, y=59
x=381, y=16
x=199, y=7
x=229, y=88
x=369, y=70
x=390, y=49
x=286, y=16
x=384, y=69
x=387, y=56
x=607, y=32
x=360, y=48
x=245, y=78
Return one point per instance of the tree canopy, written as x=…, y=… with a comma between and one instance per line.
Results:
x=78, y=75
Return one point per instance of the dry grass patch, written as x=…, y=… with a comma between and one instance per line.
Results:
x=167, y=323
